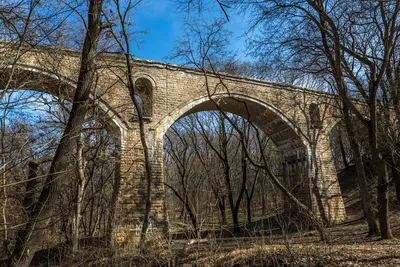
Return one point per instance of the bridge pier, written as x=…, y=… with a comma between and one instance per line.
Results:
x=131, y=200
x=326, y=185
x=296, y=177
x=316, y=188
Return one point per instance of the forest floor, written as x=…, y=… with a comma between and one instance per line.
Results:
x=348, y=246
x=348, y=242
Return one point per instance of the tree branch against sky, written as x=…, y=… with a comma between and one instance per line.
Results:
x=164, y=20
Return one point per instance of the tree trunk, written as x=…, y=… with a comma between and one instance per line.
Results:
x=3, y=158
x=142, y=132
x=221, y=206
x=304, y=210
x=234, y=206
x=29, y=198
x=244, y=180
x=227, y=174
x=342, y=150
x=187, y=207
x=27, y=243
x=248, y=203
x=383, y=198
x=79, y=192
x=380, y=171
x=396, y=179
x=263, y=200
x=193, y=218
x=369, y=213
x=113, y=203
x=316, y=188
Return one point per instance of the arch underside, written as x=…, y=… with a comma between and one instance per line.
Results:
x=30, y=78
x=273, y=124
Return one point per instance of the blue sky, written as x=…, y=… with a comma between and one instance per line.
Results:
x=163, y=23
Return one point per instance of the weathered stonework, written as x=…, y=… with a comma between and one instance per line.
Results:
x=281, y=111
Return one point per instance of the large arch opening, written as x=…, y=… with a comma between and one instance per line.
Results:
x=270, y=133
x=35, y=108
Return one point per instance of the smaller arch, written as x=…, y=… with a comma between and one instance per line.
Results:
x=144, y=88
x=315, y=116
x=43, y=80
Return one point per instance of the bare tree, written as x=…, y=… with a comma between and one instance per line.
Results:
x=200, y=48
x=26, y=244
x=123, y=11
x=182, y=157
x=331, y=42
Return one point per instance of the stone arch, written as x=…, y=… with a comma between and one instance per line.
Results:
x=289, y=135
x=27, y=77
x=290, y=141
x=144, y=89
x=338, y=120
x=250, y=108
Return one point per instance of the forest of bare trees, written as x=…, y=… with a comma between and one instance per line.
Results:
x=224, y=177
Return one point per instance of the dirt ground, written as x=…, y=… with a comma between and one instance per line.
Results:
x=348, y=246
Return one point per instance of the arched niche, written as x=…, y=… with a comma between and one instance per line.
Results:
x=315, y=116
x=144, y=88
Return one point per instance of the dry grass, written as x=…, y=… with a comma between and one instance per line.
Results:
x=348, y=246
x=309, y=255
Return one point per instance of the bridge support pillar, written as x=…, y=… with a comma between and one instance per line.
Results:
x=296, y=177
x=132, y=192
x=314, y=184
x=326, y=185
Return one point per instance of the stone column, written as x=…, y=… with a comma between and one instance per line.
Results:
x=131, y=199
x=296, y=177
x=327, y=184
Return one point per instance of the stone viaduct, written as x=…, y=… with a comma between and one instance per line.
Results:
x=297, y=120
